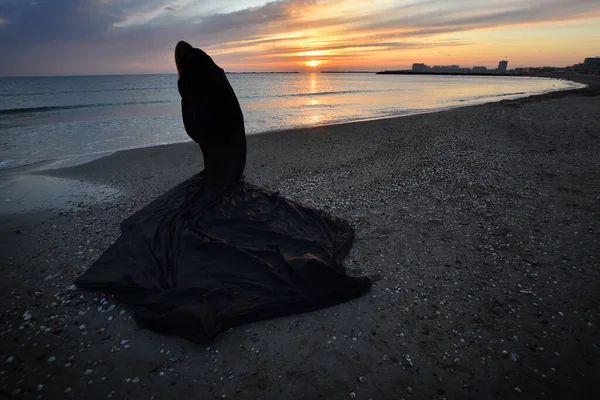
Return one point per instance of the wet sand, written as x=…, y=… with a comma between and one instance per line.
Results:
x=482, y=223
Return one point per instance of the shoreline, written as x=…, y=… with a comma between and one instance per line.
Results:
x=591, y=87
x=482, y=223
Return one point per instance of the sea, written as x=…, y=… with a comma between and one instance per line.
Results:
x=50, y=118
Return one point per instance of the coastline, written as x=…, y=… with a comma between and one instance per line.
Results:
x=592, y=87
x=481, y=222
x=16, y=166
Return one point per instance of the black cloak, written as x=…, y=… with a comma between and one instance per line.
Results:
x=214, y=252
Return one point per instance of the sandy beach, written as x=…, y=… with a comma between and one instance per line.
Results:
x=480, y=226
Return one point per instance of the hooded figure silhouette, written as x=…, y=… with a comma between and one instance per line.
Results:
x=212, y=116
x=212, y=252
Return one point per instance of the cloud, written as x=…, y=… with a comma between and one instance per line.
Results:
x=177, y=12
x=46, y=21
x=92, y=36
x=467, y=15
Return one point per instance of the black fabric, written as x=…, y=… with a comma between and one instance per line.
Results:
x=213, y=118
x=194, y=269
x=214, y=252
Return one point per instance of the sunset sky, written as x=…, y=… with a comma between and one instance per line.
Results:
x=68, y=37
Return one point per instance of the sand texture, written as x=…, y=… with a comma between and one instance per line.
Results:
x=481, y=226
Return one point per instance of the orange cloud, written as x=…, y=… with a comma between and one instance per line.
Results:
x=254, y=35
x=353, y=35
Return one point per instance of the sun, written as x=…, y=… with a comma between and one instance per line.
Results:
x=314, y=63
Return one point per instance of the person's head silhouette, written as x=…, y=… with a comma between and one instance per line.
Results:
x=181, y=50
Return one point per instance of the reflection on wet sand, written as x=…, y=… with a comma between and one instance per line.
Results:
x=24, y=192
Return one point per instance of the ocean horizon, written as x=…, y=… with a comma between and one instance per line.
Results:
x=46, y=118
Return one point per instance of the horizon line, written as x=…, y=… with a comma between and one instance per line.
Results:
x=257, y=72
x=151, y=73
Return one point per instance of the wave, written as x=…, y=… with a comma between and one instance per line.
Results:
x=29, y=110
x=338, y=92
x=87, y=91
x=165, y=88
x=487, y=96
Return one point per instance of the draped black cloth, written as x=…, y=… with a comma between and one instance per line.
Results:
x=213, y=118
x=215, y=252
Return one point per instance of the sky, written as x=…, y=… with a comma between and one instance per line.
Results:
x=75, y=37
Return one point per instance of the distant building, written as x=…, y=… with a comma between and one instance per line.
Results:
x=450, y=68
x=502, y=65
x=592, y=65
x=578, y=68
x=420, y=67
x=479, y=70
